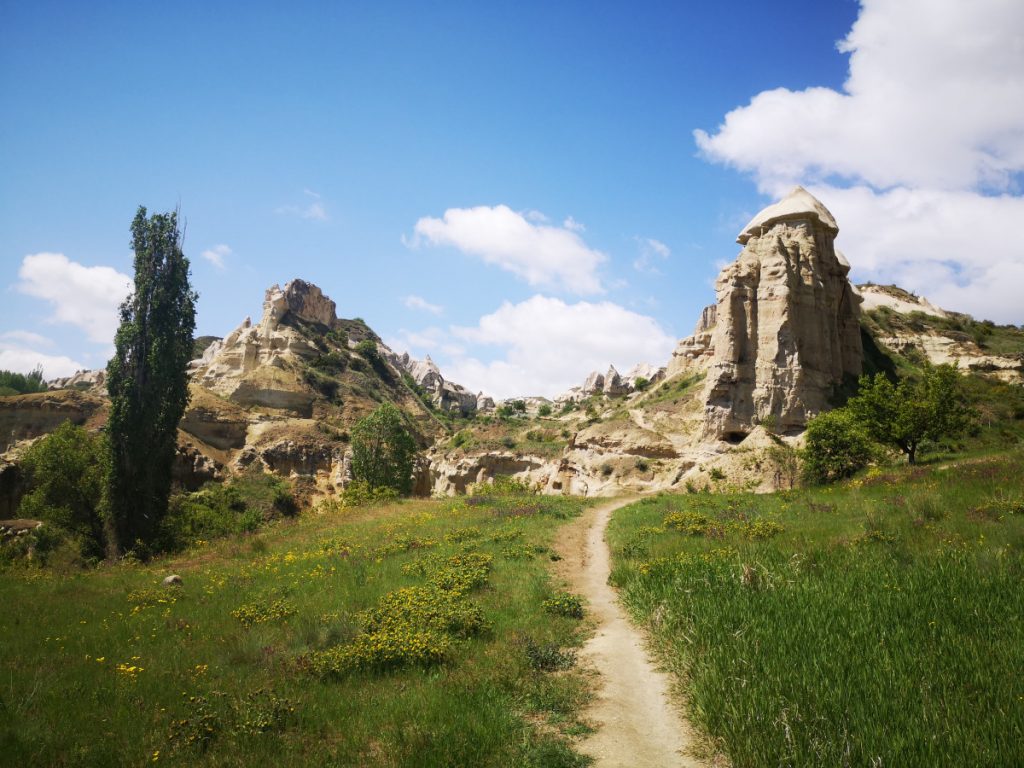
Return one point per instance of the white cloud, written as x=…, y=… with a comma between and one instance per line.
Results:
x=27, y=337
x=540, y=254
x=919, y=156
x=87, y=297
x=549, y=346
x=572, y=225
x=418, y=302
x=217, y=254
x=21, y=360
x=313, y=210
x=651, y=250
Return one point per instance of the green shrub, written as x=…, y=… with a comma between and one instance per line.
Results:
x=383, y=450
x=361, y=494
x=836, y=446
x=548, y=657
x=240, y=505
x=544, y=410
x=641, y=384
x=12, y=383
x=332, y=363
x=565, y=604
x=65, y=474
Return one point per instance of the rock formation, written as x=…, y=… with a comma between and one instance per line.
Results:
x=694, y=354
x=787, y=322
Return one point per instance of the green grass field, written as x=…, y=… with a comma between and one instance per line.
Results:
x=875, y=623
x=411, y=635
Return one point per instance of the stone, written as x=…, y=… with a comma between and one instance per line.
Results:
x=613, y=383
x=174, y=580
x=694, y=353
x=593, y=384
x=787, y=328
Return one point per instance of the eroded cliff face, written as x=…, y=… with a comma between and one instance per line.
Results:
x=787, y=328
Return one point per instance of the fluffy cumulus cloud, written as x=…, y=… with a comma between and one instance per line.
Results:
x=541, y=254
x=87, y=297
x=544, y=346
x=919, y=156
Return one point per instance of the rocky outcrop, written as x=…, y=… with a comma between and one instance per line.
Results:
x=788, y=322
x=694, y=354
x=85, y=381
x=445, y=395
x=23, y=417
x=613, y=384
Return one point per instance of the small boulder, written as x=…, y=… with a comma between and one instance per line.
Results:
x=174, y=580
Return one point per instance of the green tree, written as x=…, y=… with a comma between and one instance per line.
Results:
x=914, y=410
x=148, y=381
x=383, y=450
x=12, y=383
x=65, y=473
x=836, y=446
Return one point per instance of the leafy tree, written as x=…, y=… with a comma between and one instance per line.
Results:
x=383, y=450
x=65, y=474
x=12, y=383
x=148, y=381
x=837, y=445
x=544, y=410
x=912, y=411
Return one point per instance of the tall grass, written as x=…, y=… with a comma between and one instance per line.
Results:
x=882, y=625
x=108, y=667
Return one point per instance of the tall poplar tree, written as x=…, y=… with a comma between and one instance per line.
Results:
x=148, y=382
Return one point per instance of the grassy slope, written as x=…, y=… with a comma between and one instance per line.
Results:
x=883, y=625
x=64, y=700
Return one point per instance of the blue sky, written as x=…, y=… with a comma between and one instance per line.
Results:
x=516, y=190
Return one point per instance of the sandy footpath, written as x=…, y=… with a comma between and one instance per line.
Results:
x=637, y=723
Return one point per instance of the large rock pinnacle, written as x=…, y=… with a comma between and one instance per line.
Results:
x=787, y=330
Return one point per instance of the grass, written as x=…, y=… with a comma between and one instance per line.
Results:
x=880, y=622
x=275, y=650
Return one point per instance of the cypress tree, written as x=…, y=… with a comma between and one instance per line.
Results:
x=147, y=380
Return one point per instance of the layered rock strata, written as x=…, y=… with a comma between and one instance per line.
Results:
x=787, y=326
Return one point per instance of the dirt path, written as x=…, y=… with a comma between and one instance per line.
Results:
x=637, y=723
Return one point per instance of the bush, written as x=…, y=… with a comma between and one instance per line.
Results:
x=641, y=384
x=565, y=604
x=332, y=363
x=544, y=410
x=383, y=450
x=837, y=446
x=12, y=383
x=240, y=505
x=65, y=474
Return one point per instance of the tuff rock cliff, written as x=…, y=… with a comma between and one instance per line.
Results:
x=787, y=323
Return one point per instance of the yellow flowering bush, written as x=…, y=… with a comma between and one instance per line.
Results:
x=261, y=611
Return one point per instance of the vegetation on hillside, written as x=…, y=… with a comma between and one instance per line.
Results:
x=879, y=621
x=383, y=450
x=12, y=383
x=422, y=633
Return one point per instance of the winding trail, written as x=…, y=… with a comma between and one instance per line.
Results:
x=637, y=723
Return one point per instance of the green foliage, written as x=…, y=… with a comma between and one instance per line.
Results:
x=544, y=411
x=367, y=349
x=65, y=473
x=903, y=416
x=359, y=493
x=200, y=345
x=565, y=604
x=548, y=657
x=837, y=445
x=323, y=383
x=331, y=363
x=383, y=450
x=240, y=505
x=641, y=384
x=512, y=408
x=12, y=383
x=148, y=381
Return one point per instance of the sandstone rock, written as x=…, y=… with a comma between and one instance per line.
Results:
x=484, y=403
x=593, y=384
x=896, y=299
x=787, y=329
x=650, y=373
x=23, y=417
x=695, y=353
x=174, y=580
x=87, y=381
x=613, y=384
